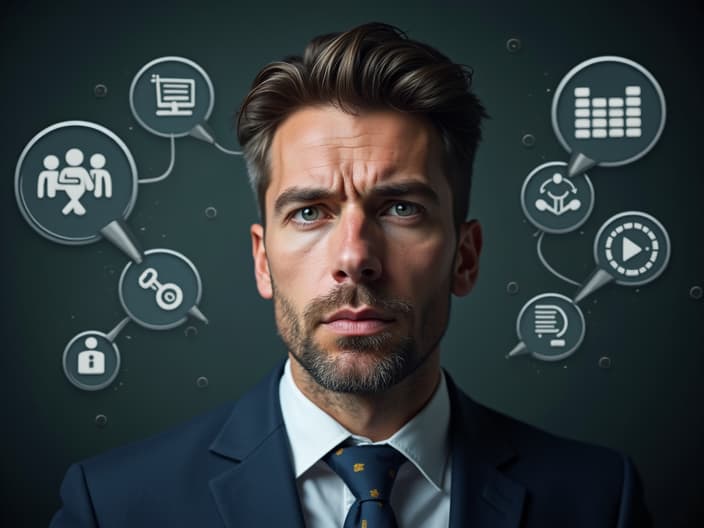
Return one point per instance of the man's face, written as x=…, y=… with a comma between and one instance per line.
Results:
x=360, y=253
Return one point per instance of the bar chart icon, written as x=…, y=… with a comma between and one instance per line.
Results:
x=607, y=117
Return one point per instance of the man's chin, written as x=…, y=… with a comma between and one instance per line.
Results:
x=358, y=364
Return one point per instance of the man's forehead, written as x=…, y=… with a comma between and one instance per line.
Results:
x=314, y=144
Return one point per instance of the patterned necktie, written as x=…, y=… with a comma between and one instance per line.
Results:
x=369, y=472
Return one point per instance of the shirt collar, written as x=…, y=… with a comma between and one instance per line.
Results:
x=312, y=433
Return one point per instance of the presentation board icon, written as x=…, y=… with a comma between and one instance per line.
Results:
x=174, y=96
x=607, y=111
x=73, y=180
x=91, y=360
x=555, y=203
x=171, y=96
x=161, y=291
x=550, y=328
x=631, y=248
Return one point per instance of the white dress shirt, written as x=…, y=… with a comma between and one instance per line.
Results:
x=420, y=496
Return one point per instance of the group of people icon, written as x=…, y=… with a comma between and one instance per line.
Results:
x=74, y=179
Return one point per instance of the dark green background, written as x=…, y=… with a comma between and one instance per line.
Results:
x=647, y=404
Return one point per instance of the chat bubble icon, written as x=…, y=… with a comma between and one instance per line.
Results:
x=91, y=360
x=631, y=248
x=162, y=291
x=173, y=97
x=76, y=183
x=550, y=327
x=607, y=111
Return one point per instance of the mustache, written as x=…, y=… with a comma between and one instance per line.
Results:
x=353, y=295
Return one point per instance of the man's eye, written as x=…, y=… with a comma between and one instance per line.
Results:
x=403, y=209
x=307, y=214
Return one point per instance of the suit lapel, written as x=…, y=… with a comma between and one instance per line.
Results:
x=481, y=496
x=260, y=489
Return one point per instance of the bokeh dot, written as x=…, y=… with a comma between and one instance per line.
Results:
x=528, y=140
x=100, y=91
x=513, y=44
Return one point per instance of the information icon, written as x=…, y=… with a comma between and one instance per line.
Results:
x=73, y=180
x=162, y=291
x=607, y=111
x=91, y=360
x=554, y=203
x=170, y=96
x=550, y=326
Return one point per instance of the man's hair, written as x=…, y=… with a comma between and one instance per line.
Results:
x=370, y=67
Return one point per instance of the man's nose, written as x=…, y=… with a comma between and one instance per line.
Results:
x=355, y=248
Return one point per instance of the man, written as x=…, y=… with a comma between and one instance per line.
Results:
x=360, y=154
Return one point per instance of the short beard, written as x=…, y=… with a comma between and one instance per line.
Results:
x=392, y=362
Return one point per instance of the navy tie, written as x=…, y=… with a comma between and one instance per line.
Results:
x=369, y=472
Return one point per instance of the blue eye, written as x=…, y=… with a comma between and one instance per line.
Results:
x=404, y=209
x=307, y=214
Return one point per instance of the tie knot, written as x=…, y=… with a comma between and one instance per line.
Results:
x=368, y=470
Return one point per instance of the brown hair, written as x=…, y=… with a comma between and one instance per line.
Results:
x=371, y=66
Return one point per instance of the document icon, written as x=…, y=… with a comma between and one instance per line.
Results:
x=546, y=322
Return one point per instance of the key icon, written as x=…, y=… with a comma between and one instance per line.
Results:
x=169, y=296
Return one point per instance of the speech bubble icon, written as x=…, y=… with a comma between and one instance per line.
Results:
x=607, y=111
x=162, y=291
x=91, y=360
x=75, y=183
x=173, y=97
x=550, y=328
x=631, y=248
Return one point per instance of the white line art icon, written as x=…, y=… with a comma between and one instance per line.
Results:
x=91, y=362
x=174, y=96
x=630, y=249
x=168, y=296
x=545, y=322
x=607, y=117
x=74, y=179
x=558, y=206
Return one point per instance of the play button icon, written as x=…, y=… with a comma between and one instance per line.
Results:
x=632, y=247
x=644, y=252
x=629, y=249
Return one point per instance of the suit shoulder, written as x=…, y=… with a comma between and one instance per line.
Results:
x=546, y=453
x=192, y=436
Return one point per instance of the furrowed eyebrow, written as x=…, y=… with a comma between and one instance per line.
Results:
x=300, y=195
x=390, y=190
x=399, y=190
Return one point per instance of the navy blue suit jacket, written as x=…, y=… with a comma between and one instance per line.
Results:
x=232, y=467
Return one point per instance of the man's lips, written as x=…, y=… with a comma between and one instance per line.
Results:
x=357, y=322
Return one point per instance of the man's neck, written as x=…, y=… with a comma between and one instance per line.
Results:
x=375, y=416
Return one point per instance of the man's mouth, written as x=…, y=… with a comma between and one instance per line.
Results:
x=365, y=321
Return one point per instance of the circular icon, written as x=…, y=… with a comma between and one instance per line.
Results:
x=555, y=203
x=168, y=296
x=159, y=292
x=633, y=247
x=169, y=96
x=72, y=179
x=610, y=109
x=91, y=361
x=551, y=326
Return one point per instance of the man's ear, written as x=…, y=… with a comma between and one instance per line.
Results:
x=261, y=264
x=466, y=266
